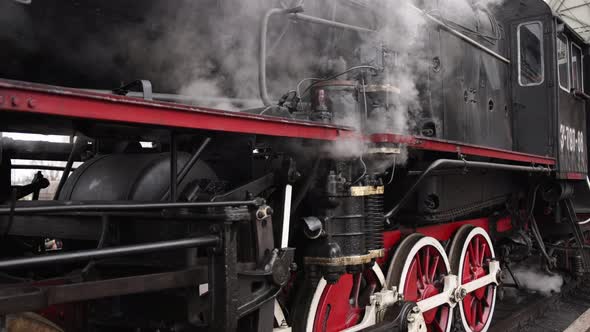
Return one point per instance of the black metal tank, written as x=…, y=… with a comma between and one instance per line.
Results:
x=133, y=177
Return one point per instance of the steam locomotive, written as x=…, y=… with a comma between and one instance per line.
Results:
x=396, y=192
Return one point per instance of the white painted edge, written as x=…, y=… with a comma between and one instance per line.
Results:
x=286, y=216
x=582, y=324
x=313, y=308
x=379, y=273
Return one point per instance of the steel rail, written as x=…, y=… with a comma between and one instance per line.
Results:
x=452, y=163
x=84, y=255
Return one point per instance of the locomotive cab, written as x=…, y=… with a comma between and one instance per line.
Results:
x=548, y=88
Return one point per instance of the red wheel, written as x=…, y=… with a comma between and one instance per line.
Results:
x=471, y=253
x=339, y=306
x=418, y=269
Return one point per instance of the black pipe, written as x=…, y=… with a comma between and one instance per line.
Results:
x=188, y=166
x=11, y=214
x=37, y=150
x=124, y=207
x=309, y=180
x=576, y=230
x=185, y=99
x=330, y=23
x=173, y=168
x=68, y=168
x=442, y=24
x=101, y=241
x=41, y=167
x=77, y=256
x=460, y=163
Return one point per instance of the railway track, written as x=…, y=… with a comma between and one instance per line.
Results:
x=538, y=313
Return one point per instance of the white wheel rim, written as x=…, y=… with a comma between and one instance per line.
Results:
x=424, y=242
x=474, y=232
x=313, y=308
x=319, y=291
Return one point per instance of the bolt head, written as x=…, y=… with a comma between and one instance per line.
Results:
x=1, y=100
x=415, y=309
x=32, y=103
x=410, y=319
x=463, y=292
x=15, y=101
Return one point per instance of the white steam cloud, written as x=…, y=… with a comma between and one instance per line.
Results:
x=538, y=281
x=402, y=34
x=209, y=48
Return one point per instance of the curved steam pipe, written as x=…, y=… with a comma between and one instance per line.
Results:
x=262, y=53
x=451, y=163
x=294, y=13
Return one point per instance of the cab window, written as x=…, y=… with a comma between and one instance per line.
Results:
x=530, y=54
x=577, y=68
x=563, y=64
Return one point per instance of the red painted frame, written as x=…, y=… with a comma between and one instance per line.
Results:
x=433, y=144
x=441, y=232
x=575, y=176
x=57, y=101
x=49, y=100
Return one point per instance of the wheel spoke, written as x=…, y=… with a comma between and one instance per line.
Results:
x=481, y=311
x=419, y=272
x=471, y=253
x=476, y=251
x=356, y=290
x=437, y=326
x=433, y=268
x=426, y=262
x=482, y=254
x=488, y=298
x=473, y=309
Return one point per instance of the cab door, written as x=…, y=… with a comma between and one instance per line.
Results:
x=531, y=82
